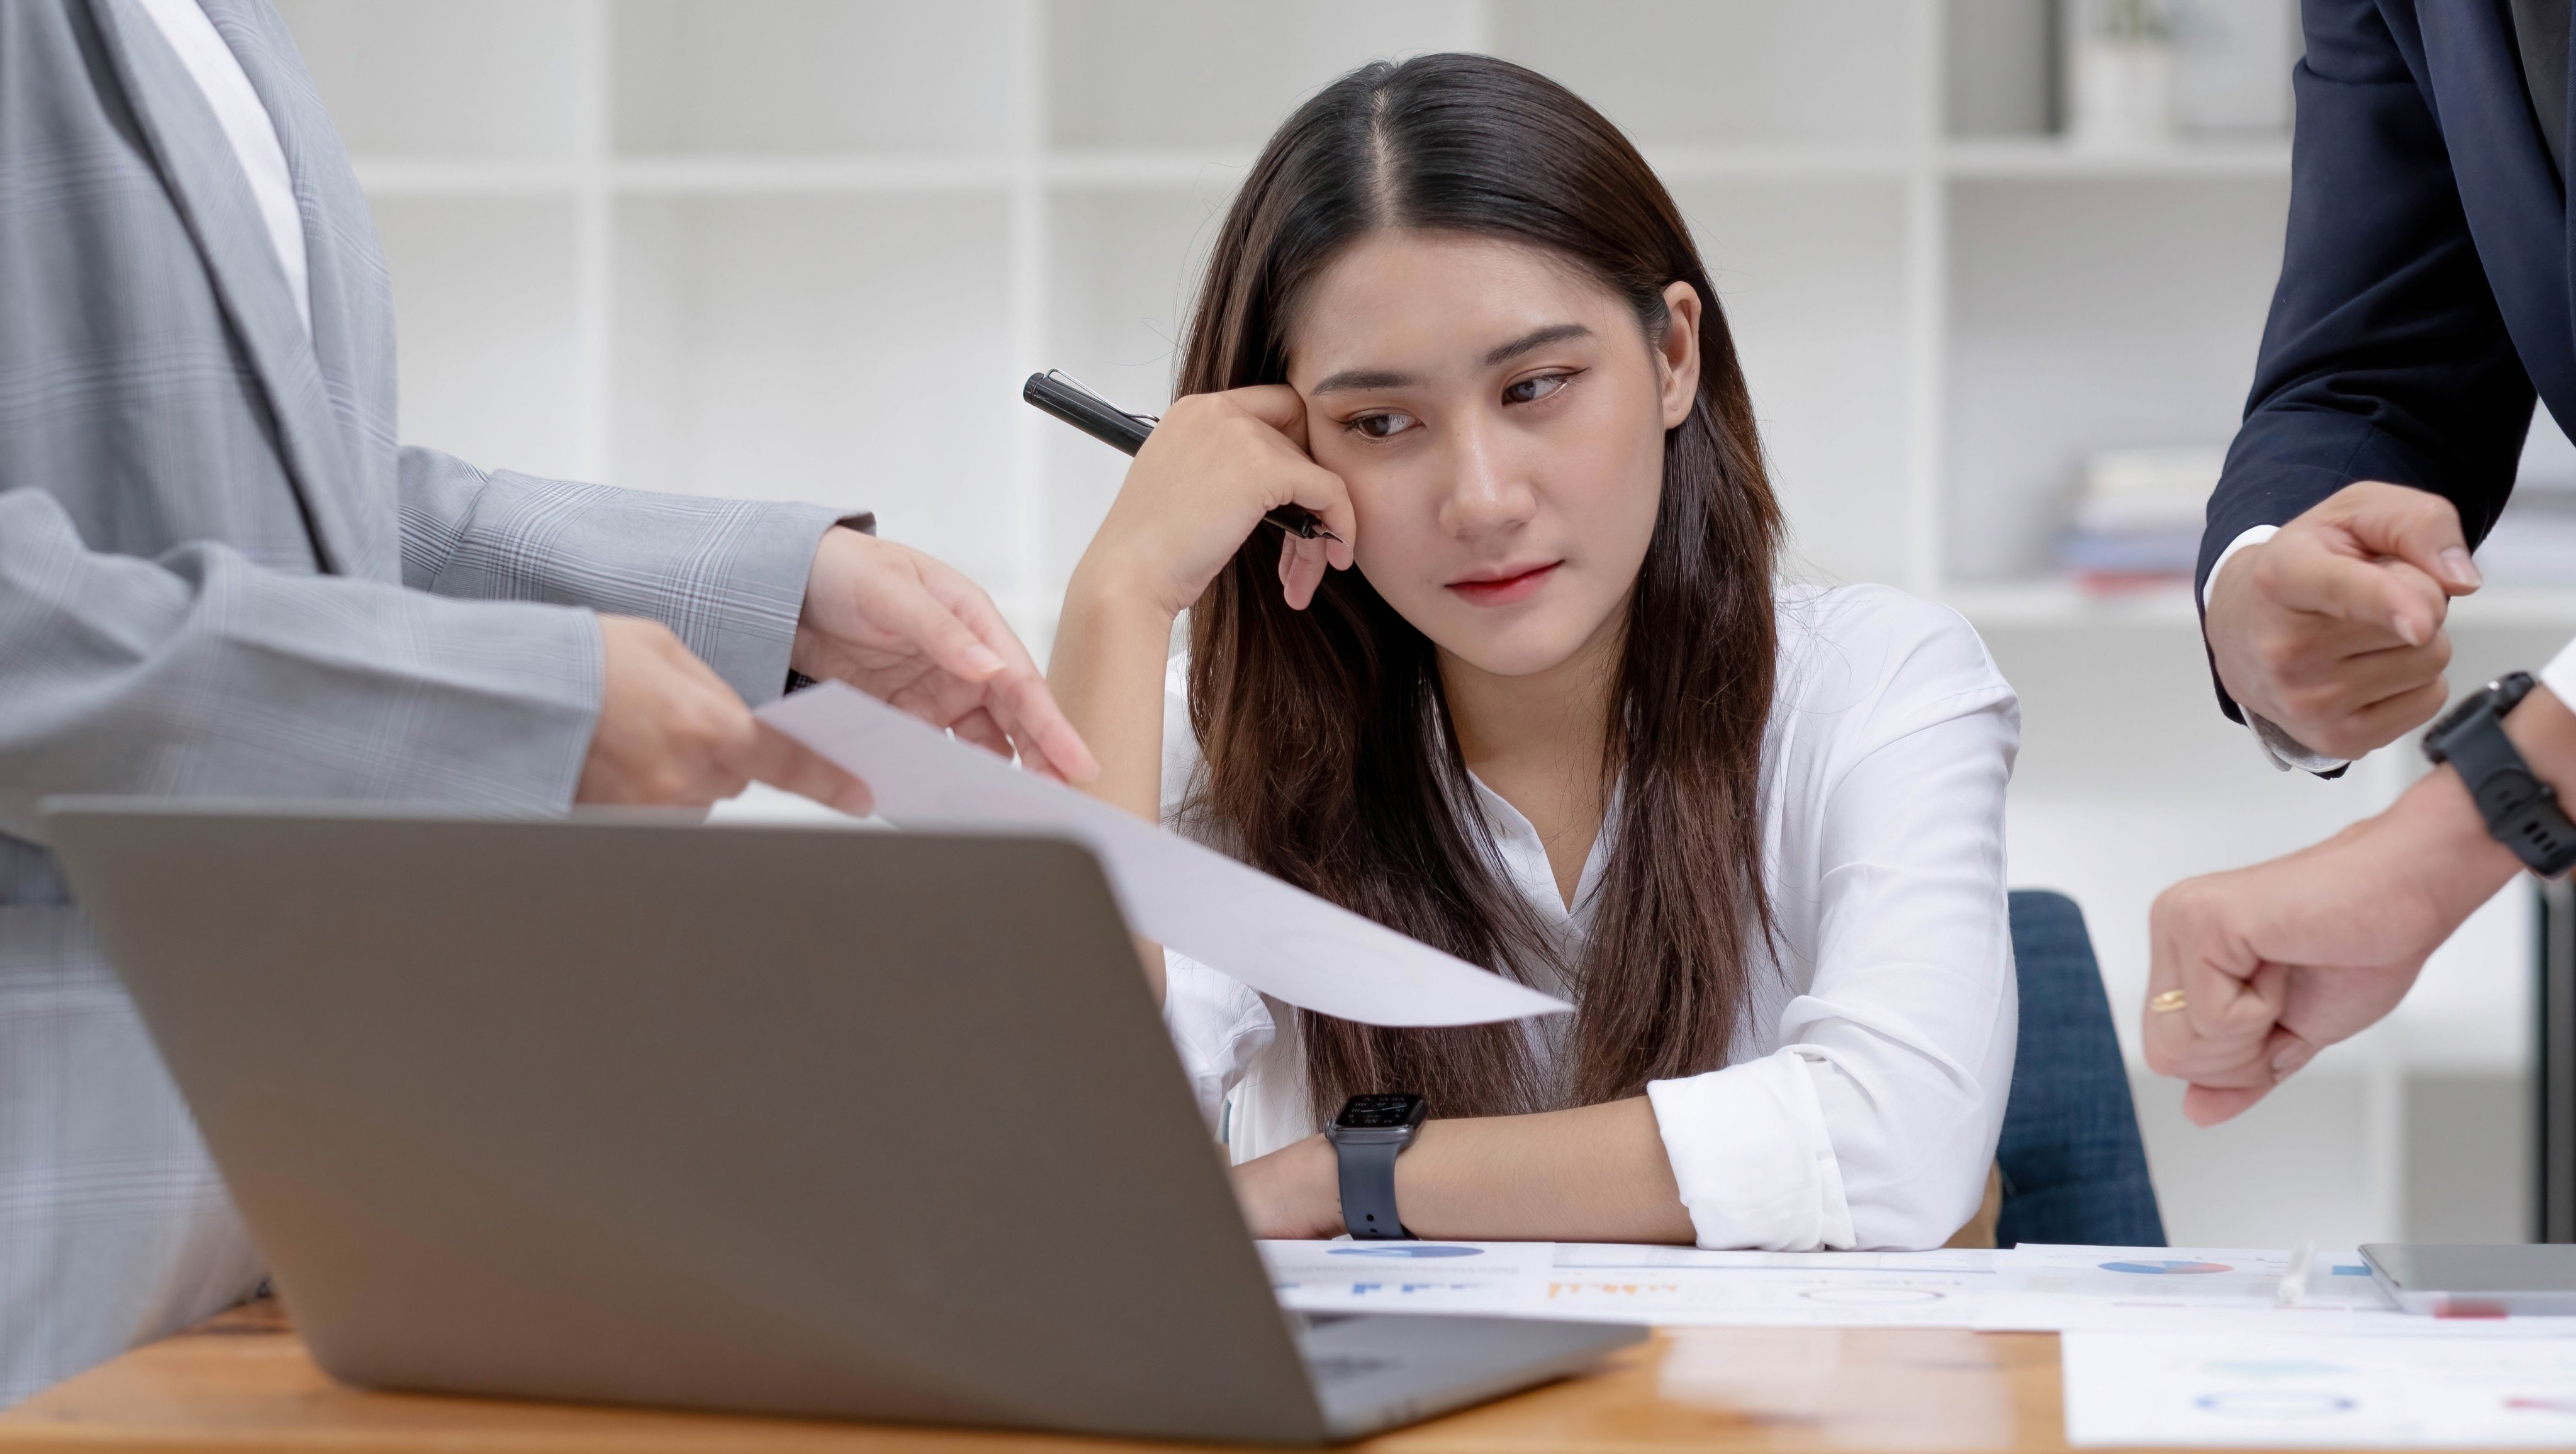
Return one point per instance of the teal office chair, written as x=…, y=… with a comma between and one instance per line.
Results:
x=2074, y=1168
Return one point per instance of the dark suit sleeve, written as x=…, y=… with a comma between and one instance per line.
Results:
x=2385, y=356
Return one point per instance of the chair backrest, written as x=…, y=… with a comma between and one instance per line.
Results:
x=2074, y=1168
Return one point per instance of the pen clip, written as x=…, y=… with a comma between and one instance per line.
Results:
x=1094, y=395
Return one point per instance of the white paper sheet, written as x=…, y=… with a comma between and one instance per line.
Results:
x=2059, y=1287
x=2309, y=1391
x=1674, y=1286
x=1278, y=939
x=1410, y=1277
x=2214, y=1290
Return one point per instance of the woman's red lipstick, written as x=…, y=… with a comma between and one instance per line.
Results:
x=1505, y=590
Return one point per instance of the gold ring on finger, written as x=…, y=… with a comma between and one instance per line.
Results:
x=2166, y=1003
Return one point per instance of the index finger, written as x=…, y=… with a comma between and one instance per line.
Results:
x=1276, y=405
x=2386, y=593
x=2408, y=524
x=1038, y=728
x=1018, y=698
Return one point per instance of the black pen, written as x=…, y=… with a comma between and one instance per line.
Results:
x=1093, y=415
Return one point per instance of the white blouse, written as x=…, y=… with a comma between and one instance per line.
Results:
x=1864, y=1086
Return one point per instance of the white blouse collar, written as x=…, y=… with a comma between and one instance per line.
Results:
x=1523, y=856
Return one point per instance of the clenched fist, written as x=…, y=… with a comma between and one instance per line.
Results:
x=2332, y=629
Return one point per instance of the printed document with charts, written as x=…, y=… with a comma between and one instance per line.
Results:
x=1671, y=1285
x=2030, y=1287
x=1237, y=920
x=2310, y=1390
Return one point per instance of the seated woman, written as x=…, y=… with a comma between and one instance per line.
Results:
x=1541, y=703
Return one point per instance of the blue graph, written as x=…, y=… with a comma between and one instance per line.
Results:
x=1409, y=1249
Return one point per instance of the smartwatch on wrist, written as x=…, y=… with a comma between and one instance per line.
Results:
x=2521, y=811
x=1368, y=1135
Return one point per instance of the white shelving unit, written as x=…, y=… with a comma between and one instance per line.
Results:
x=1891, y=281
x=809, y=248
x=620, y=157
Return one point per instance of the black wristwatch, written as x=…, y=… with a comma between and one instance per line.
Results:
x=1368, y=1135
x=2522, y=812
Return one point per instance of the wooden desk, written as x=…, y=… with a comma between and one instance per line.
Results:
x=243, y=1381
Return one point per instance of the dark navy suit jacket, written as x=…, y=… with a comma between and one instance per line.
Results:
x=2424, y=292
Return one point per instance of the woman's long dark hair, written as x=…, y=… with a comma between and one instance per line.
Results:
x=1329, y=757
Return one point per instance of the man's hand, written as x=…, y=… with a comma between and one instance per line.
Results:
x=2274, y=962
x=672, y=732
x=2332, y=629
x=899, y=625
x=2259, y=968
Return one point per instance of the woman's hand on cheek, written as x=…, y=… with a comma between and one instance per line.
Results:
x=1214, y=466
x=1294, y=1193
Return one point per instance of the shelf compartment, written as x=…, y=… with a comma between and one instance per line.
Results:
x=1123, y=274
x=851, y=351
x=1812, y=276
x=483, y=302
x=798, y=76
x=1152, y=74
x=2086, y=316
x=461, y=78
x=1691, y=73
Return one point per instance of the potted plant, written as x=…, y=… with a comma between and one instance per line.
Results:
x=2120, y=60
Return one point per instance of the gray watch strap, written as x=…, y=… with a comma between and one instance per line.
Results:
x=2521, y=811
x=1368, y=1187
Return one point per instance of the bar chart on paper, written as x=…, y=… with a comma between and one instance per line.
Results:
x=1684, y=1285
x=1428, y=1277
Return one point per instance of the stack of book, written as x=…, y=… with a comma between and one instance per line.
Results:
x=2137, y=521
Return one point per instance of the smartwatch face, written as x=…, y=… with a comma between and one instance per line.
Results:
x=1370, y=1113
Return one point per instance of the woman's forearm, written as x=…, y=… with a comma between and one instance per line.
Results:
x=1107, y=673
x=1591, y=1174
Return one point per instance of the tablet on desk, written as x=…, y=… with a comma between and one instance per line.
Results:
x=2466, y=1281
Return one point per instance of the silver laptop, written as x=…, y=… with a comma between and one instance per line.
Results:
x=791, y=1120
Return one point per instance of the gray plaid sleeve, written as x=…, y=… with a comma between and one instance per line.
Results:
x=201, y=674
x=727, y=576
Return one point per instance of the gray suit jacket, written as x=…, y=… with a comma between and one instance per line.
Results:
x=220, y=576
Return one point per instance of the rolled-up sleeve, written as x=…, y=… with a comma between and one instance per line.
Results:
x=1873, y=1119
x=1217, y=1025
x=1753, y=1156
